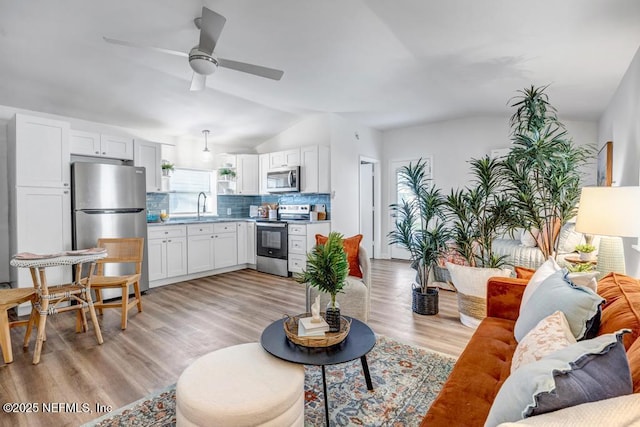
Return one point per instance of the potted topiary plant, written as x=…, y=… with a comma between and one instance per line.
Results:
x=543, y=168
x=586, y=251
x=420, y=229
x=327, y=269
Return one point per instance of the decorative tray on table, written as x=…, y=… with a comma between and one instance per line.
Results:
x=329, y=338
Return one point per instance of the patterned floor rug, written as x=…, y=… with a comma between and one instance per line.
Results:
x=406, y=379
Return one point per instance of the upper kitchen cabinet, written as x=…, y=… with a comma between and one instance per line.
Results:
x=248, y=172
x=101, y=145
x=238, y=174
x=148, y=155
x=263, y=159
x=315, y=169
x=38, y=152
x=287, y=158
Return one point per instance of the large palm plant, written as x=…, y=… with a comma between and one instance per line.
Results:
x=543, y=168
x=419, y=221
x=478, y=213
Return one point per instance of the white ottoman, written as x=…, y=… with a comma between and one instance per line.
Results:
x=241, y=385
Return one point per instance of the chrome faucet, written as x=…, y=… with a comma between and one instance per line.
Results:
x=204, y=206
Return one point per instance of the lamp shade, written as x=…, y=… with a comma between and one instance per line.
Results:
x=609, y=211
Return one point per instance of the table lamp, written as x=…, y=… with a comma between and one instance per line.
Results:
x=612, y=213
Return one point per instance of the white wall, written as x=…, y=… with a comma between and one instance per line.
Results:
x=452, y=144
x=349, y=142
x=621, y=124
x=4, y=205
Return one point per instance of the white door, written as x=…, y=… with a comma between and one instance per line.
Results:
x=226, y=250
x=399, y=194
x=200, y=249
x=157, y=256
x=366, y=206
x=176, y=260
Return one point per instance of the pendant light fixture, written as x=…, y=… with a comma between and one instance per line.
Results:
x=206, y=150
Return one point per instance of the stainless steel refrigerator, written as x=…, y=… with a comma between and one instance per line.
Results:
x=109, y=201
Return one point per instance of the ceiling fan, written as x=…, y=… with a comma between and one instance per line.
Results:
x=201, y=58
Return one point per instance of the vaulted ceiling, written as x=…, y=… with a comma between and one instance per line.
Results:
x=386, y=64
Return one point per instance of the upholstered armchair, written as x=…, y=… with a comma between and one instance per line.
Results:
x=355, y=298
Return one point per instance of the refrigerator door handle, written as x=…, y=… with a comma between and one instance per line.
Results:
x=104, y=211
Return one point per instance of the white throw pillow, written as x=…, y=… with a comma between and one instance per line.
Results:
x=550, y=334
x=528, y=238
x=588, y=279
x=549, y=267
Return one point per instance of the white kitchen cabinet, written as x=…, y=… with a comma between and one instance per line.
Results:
x=246, y=233
x=149, y=155
x=315, y=169
x=200, y=248
x=99, y=145
x=302, y=238
x=38, y=152
x=251, y=243
x=41, y=218
x=286, y=158
x=225, y=250
x=263, y=159
x=248, y=174
x=167, y=246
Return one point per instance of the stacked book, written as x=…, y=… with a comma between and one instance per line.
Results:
x=308, y=328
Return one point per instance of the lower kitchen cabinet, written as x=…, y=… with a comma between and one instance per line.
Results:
x=212, y=246
x=167, y=248
x=302, y=238
x=246, y=242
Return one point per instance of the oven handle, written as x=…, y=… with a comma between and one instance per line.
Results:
x=278, y=225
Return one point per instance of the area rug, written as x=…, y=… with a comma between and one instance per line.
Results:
x=406, y=380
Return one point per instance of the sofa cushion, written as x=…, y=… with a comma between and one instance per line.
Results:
x=622, y=306
x=580, y=305
x=523, y=272
x=528, y=238
x=587, y=371
x=617, y=411
x=550, y=334
x=351, y=246
x=569, y=238
x=483, y=366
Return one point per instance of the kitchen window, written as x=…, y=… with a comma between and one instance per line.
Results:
x=186, y=184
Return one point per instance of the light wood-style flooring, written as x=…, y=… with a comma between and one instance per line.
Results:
x=181, y=322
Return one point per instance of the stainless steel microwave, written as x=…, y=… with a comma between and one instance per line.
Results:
x=283, y=180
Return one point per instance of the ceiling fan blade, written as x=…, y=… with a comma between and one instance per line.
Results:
x=211, y=26
x=270, y=73
x=139, y=46
x=198, y=82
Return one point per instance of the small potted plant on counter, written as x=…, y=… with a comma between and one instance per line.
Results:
x=586, y=251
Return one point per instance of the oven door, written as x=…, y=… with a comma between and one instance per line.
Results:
x=272, y=240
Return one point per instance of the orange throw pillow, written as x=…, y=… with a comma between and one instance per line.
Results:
x=351, y=245
x=524, y=273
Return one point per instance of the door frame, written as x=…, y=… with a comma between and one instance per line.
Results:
x=377, y=201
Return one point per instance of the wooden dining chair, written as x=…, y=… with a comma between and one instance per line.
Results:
x=119, y=251
x=10, y=298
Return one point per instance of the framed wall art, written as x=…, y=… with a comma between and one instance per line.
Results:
x=604, y=175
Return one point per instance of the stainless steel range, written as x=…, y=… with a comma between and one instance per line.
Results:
x=273, y=239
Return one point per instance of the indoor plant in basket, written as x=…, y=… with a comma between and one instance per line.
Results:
x=477, y=214
x=327, y=269
x=420, y=229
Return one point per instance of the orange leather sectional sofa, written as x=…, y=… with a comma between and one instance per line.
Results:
x=467, y=396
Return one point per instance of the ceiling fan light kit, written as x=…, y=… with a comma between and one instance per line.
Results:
x=202, y=63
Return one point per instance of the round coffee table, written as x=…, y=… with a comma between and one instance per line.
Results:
x=357, y=344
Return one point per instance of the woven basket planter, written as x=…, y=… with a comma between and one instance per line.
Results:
x=425, y=303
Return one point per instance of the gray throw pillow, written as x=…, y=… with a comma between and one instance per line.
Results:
x=580, y=305
x=588, y=371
